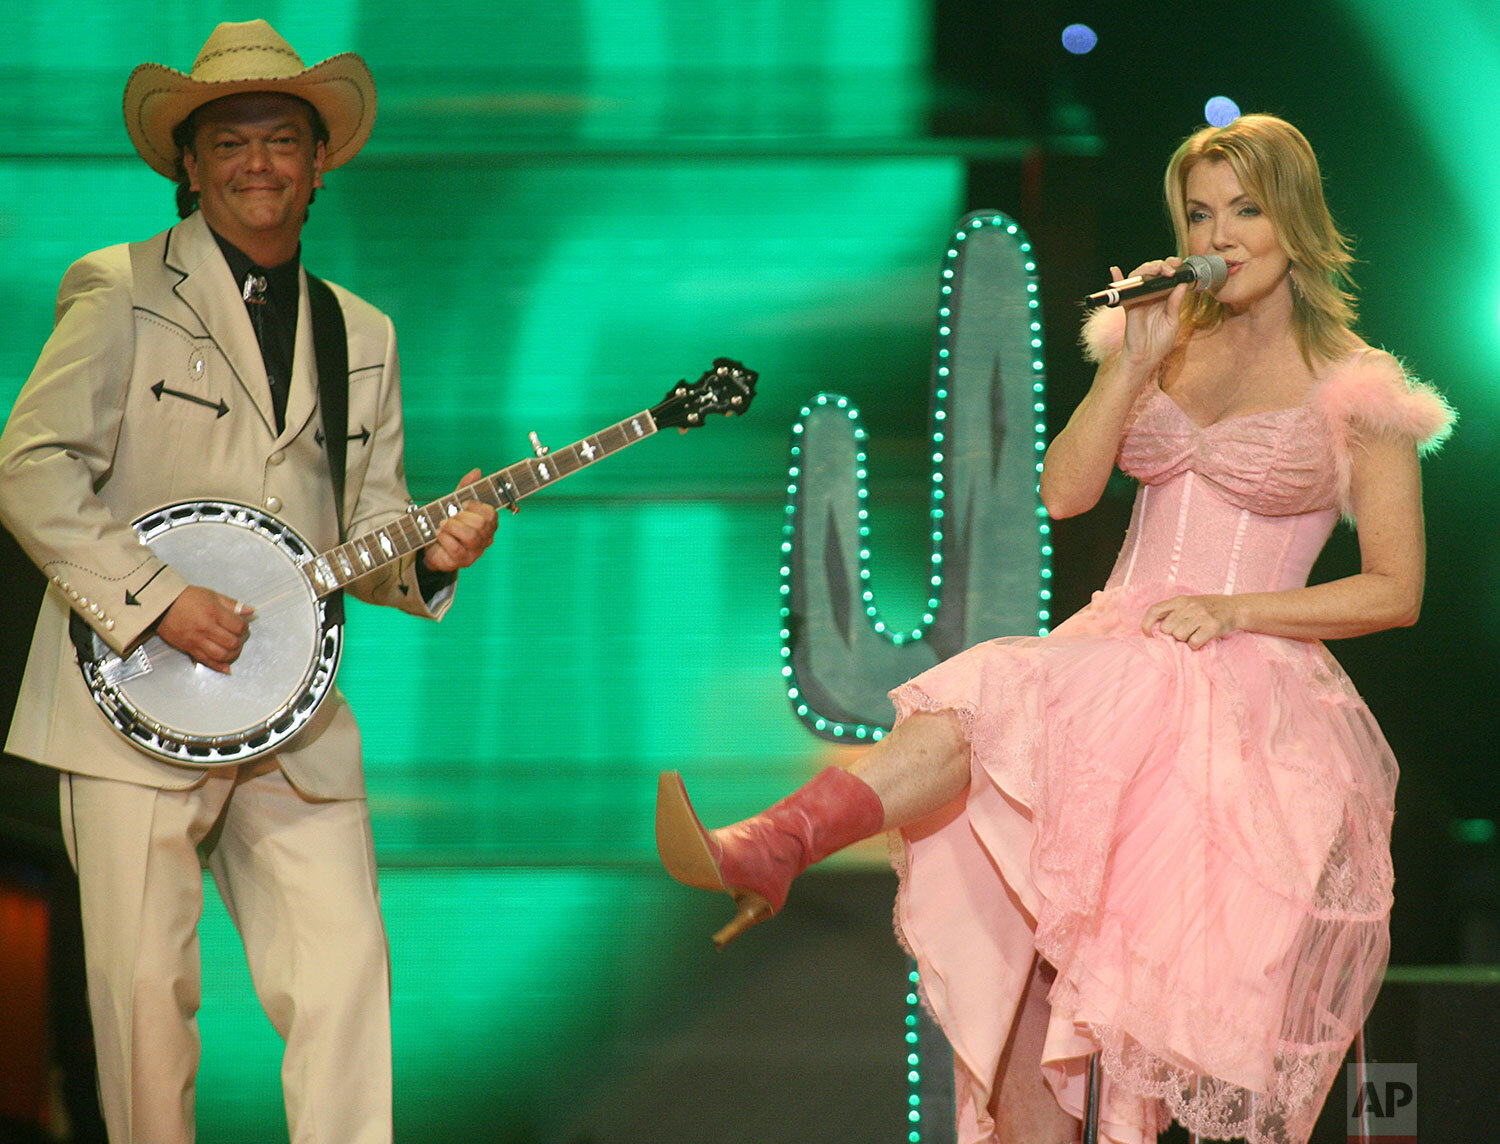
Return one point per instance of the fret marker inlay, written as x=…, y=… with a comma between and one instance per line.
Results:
x=503, y=489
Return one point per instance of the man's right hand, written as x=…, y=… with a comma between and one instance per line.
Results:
x=206, y=627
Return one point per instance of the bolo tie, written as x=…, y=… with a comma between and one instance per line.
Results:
x=254, y=293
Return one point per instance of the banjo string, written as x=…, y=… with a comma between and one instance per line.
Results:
x=278, y=592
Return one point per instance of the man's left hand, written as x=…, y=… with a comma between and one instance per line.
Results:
x=463, y=536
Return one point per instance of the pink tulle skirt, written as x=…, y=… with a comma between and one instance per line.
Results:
x=1197, y=841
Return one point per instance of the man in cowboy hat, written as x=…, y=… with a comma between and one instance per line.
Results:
x=187, y=367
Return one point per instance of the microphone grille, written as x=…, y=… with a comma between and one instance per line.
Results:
x=1209, y=270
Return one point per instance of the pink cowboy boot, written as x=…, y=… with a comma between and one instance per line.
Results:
x=755, y=860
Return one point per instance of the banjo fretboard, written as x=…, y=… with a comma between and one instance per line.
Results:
x=419, y=527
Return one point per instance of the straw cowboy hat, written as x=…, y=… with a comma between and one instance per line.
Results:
x=249, y=57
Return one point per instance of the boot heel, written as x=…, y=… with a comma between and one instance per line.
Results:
x=681, y=841
x=752, y=910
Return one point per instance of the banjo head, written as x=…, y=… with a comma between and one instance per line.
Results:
x=171, y=707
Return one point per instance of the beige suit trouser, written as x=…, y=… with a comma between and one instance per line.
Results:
x=298, y=878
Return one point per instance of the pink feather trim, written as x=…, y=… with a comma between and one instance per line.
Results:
x=1369, y=391
x=1103, y=333
x=1369, y=388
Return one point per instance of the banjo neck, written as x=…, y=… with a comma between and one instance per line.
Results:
x=418, y=528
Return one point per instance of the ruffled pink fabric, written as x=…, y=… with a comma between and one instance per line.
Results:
x=1198, y=841
x=1208, y=868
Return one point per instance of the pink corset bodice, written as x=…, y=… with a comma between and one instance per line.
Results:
x=1243, y=505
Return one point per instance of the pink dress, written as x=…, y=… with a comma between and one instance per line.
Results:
x=1198, y=841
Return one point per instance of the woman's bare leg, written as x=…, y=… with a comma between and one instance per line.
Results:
x=918, y=768
x=1025, y=1110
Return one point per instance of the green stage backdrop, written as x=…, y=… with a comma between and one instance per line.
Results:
x=566, y=208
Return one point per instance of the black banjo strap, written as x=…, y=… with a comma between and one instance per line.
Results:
x=331, y=349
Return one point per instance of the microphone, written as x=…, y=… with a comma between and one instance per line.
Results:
x=1199, y=271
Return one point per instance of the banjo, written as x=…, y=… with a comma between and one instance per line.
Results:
x=170, y=707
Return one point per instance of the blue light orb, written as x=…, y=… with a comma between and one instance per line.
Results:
x=1221, y=111
x=1079, y=39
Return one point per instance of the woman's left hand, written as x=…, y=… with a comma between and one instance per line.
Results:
x=1193, y=620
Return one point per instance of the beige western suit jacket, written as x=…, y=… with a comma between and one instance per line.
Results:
x=95, y=440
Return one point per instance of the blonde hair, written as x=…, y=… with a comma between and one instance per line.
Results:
x=1278, y=170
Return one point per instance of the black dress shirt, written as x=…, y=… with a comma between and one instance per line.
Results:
x=272, y=299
